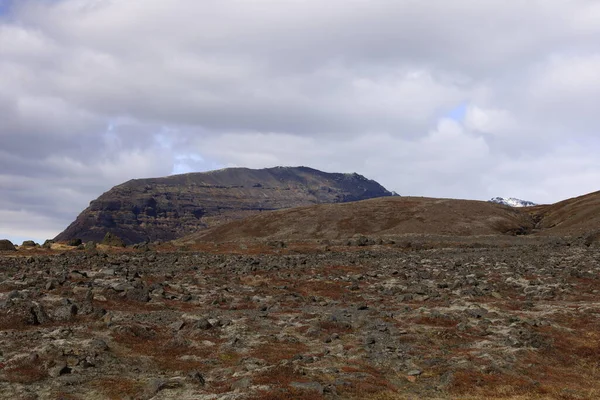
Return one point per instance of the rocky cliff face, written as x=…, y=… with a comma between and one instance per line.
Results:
x=174, y=206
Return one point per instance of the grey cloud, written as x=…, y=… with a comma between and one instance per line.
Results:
x=96, y=92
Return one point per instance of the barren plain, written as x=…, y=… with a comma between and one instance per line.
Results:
x=417, y=317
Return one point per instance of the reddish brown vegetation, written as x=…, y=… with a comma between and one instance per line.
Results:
x=25, y=373
x=162, y=347
x=329, y=327
x=493, y=385
x=287, y=394
x=277, y=351
x=327, y=289
x=435, y=321
x=374, y=381
x=118, y=388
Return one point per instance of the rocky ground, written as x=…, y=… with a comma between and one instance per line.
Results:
x=382, y=321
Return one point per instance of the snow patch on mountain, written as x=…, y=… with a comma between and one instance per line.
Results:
x=512, y=202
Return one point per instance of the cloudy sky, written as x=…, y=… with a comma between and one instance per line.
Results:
x=462, y=98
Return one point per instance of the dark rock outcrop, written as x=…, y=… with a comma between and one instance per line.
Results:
x=112, y=240
x=6, y=245
x=74, y=242
x=171, y=207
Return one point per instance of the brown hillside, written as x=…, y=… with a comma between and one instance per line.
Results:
x=578, y=215
x=383, y=216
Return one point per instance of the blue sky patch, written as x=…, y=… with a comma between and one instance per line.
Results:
x=5, y=6
x=458, y=113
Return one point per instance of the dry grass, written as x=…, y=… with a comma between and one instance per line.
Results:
x=25, y=373
x=287, y=394
x=13, y=321
x=116, y=388
x=566, y=367
x=275, y=352
x=122, y=304
x=161, y=348
x=440, y=321
x=374, y=383
x=329, y=289
x=280, y=376
x=490, y=385
x=329, y=327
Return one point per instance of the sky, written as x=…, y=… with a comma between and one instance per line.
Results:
x=462, y=99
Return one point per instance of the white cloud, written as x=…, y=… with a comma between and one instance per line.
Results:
x=568, y=85
x=492, y=121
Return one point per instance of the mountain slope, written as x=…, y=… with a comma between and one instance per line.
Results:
x=384, y=216
x=171, y=207
x=575, y=216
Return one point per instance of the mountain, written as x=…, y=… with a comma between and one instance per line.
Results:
x=512, y=202
x=171, y=207
x=389, y=216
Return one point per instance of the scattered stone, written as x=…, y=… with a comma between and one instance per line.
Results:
x=157, y=385
x=138, y=294
x=177, y=325
x=308, y=386
x=38, y=314
x=370, y=340
x=52, y=284
x=204, y=324
x=98, y=345
x=241, y=384
x=60, y=368
x=280, y=244
x=65, y=313
x=197, y=378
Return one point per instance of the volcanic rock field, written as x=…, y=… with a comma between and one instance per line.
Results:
x=417, y=318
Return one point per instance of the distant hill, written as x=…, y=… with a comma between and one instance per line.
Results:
x=171, y=207
x=512, y=202
x=383, y=216
x=576, y=216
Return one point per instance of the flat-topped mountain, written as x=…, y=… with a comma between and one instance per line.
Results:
x=171, y=207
